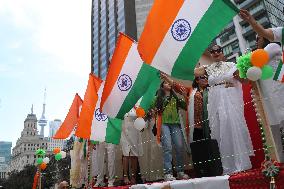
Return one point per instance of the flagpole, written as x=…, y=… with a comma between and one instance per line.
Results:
x=264, y=120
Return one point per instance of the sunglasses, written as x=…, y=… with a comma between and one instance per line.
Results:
x=202, y=77
x=215, y=51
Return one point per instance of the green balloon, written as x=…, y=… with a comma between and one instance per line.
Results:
x=267, y=72
x=40, y=152
x=39, y=161
x=58, y=156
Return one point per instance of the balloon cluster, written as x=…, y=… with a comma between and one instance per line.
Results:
x=59, y=154
x=42, y=161
x=140, y=123
x=254, y=65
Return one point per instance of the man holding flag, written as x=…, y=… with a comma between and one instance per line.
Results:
x=274, y=101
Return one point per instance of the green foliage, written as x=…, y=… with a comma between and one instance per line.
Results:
x=21, y=180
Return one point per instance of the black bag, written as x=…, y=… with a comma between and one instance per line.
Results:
x=206, y=158
x=154, y=130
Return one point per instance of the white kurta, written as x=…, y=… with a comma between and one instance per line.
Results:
x=226, y=118
x=273, y=95
x=273, y=91
x=131, y=141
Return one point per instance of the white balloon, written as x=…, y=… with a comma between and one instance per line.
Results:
x=46, y=160
x=139, y=123
x=63, y=154
x=254, y=73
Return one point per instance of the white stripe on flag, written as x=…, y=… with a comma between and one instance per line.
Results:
x=98, y=130
x=170, y=49
x=281, y=74
x=131, y=67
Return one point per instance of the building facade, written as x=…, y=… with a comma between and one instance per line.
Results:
x=238, y=36
x=109, y=17
x=5, y=156
x=54, y=143
x=24, y=152
x=54, y=126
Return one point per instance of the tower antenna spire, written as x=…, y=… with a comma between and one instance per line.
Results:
x=43, y=121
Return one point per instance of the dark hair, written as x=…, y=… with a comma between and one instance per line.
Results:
x=266, y=42
x=195, y=84
x=160, y=97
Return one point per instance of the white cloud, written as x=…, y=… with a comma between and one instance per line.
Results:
x=59, y=28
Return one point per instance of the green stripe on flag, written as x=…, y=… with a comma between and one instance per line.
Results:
x=113, y=131
x=215, y=19
x=145, y=76
x=148, y=97
x=278, y=70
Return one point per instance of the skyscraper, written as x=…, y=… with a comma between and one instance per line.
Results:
x=54, y=143
x=54, y=126
x=5, y=155
x=109, y=17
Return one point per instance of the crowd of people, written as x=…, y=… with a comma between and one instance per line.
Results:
x=214, y=110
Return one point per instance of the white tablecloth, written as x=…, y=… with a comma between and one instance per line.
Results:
x=220, y=182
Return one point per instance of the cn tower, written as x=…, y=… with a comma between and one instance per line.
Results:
x=42, y=122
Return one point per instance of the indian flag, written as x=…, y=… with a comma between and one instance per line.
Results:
x=150, y=94
x=104, y=129
x=127, y=80
x=279, y=74
x=177, y=32
x=93, y=124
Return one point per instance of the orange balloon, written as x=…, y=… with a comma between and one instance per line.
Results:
x=43, y=166
x=259, y=58
x=56, y=150
x=140, y=112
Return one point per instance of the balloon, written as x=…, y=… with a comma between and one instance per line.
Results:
x=140, y=112
x=40, y=152
x=46, y=160
x=43, y=166
x=63, y=154
x=259, y=58
x=139, y=123
x=56, y=150
x=58, y=156
x=39, y=161
x=254, y=73
x=267, y=72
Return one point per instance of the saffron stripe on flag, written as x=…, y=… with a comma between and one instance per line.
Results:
x=118, y=58
x=156, y=26
x=90, y=100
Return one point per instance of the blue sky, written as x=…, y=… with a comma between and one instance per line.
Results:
x=43, y=44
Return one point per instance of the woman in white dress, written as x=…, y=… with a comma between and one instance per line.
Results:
x=226, y=113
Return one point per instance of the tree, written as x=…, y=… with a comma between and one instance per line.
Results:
x=23, y=179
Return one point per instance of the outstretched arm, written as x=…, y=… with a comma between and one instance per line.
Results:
x=237, y=77
x=266, y=33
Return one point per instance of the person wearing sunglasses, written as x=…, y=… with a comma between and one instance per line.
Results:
x=196, y=108
x=226, y=112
